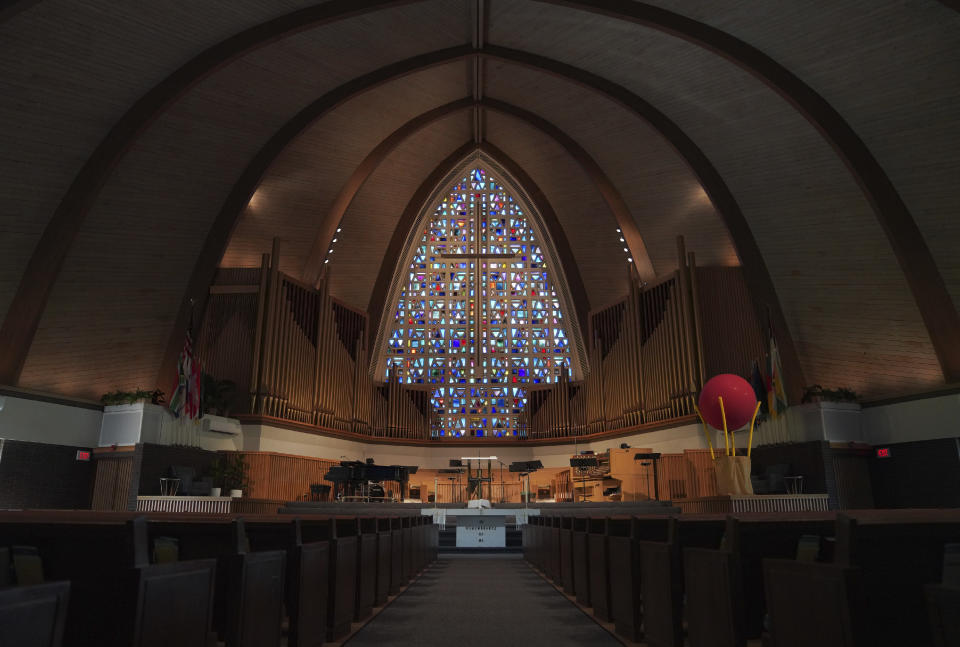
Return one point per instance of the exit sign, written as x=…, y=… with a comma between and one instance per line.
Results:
x=83, y=455
x=883, y=452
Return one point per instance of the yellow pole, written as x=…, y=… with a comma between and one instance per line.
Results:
x=706, y=432
x=723, y=414
x=752, y=420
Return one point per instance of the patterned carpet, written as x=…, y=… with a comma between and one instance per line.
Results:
x=467, y=600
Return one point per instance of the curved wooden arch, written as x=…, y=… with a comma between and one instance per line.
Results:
x=929, y=290
x=11, y=8
x=219, y=235
x=313, y=266
x=916, y=262
x=755, y=271
x=30, y=300
x=381, y=287
x=610, y=194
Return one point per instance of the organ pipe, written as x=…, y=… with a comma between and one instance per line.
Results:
x=308, y=356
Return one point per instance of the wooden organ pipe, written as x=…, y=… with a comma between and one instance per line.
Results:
x=256, y=362
x=697, y=322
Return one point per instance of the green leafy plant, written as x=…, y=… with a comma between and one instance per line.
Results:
x=130, y=397
x=230, y=472
x=816, y=393
x=219, y=396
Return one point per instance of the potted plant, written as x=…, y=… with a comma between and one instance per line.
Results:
x=231, y=472
x=218, y=472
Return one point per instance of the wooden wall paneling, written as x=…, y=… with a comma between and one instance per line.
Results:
x=113, y=480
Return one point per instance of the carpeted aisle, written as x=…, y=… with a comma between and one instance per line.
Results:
x=482, y=600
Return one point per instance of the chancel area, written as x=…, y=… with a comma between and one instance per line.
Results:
x=479, y=322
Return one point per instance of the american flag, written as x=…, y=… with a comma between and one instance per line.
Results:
x=187, y=398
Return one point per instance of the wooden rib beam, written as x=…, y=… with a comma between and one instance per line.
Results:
x=929, y=290
x=577, y=290
x=610, y=194
x=229, y=214
x=755, y=271
x=923, y=277
x=10, y=8
x=916, y=262
x=42, y=270
x=313, y=267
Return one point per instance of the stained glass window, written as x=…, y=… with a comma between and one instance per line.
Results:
x=478, y=321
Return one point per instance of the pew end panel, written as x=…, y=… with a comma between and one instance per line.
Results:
x=624, y=575
x=714, y=609
x=173, y=604
x=581, y=561
x=599, y=584
x=943, y=603
x=384, y=536
x=366, y=567
x=34, y=616
x=814, y=604
x=254, y=615
x=341, y=599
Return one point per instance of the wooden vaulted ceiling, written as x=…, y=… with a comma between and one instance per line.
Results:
x=815, y=144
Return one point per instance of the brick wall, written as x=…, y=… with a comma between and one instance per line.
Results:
x=39, y=475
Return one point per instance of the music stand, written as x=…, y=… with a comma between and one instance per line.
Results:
x=583, y=463
x=653, y=458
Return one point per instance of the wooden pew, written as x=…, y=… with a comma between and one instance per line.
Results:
x=661, y=579
x=366, y=567
x=248, y=606
x=581, y=559
x=623, y=567
x=724, y=586
x=599, y=578
x=565, y=574
x=306, y=581
x=117, y=596
x=396, y=555
x=407, y=570
x=873, y=593
x=384, y=555
x=943, y=603
x=34, y=616
x=342, y=597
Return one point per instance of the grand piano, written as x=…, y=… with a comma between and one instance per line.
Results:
x=358, y=480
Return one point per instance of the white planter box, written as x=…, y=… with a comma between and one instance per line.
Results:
x=142, y=422
x=830, y=421
x=129, y=424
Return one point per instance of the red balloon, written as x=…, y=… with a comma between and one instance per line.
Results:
x=739, y=401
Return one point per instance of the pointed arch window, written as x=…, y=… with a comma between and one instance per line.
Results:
x=479, y=316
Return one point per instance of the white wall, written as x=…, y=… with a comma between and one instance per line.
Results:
x=903, y=422
x=31, y=420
